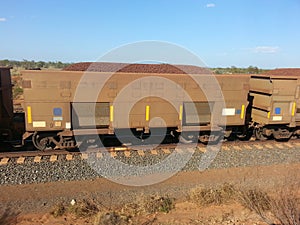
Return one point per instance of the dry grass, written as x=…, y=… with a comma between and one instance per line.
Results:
x=149, y=204
x=128, y=214
x=58, y=210
x=83, y=208
x=203, y=196
x=281, y=209
x=8, y=217
x=112, y=218
x=256, y=201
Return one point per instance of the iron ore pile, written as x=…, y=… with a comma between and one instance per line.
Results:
x=136, y=68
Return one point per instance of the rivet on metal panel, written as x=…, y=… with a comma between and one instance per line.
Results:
x=4, y=161
x=21, y=160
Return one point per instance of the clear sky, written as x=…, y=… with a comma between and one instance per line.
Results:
x=263, y=33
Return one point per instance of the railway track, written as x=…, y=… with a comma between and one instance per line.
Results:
x=20, y=157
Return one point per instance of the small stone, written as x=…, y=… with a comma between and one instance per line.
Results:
x=73, y=202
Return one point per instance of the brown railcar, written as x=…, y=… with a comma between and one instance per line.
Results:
x=60, y=105
x=276, y=104
x=6, y=104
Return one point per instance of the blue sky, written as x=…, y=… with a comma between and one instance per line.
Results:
x=263, y=33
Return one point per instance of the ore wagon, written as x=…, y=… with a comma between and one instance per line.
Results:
x=6, y=104
x=276, y=111
x=136, y=102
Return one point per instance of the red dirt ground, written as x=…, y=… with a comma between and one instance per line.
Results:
x=26, y=208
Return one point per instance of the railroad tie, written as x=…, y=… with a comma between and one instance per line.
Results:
x=141, y=152
x=21, y=160
x=4, y=161
x=53, y=158
x=237, y=148
x=127, y=154
x=268, y=146
x=280, y=146
x=69, y=157
x=99, y=155
x=113, y=154
x=37, y=159
x=154, y=152
x=213, y=148
x=247, y=147
x=296, y=143
x=288, y=145
x=166, y=151
x=226, y=148
x=191, y=150
x=179, y=150
x=258, y=146
x=202, y=149
x=84, y=156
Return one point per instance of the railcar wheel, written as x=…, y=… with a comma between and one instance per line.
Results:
x=40, y=141
x=89, y=142
x=246, y=136
x=258, y=132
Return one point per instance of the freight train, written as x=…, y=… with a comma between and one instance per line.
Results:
x=140, y=103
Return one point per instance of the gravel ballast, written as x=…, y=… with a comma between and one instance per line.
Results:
x=136, y=165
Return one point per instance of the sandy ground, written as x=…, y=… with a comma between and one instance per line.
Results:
x=32, y=204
